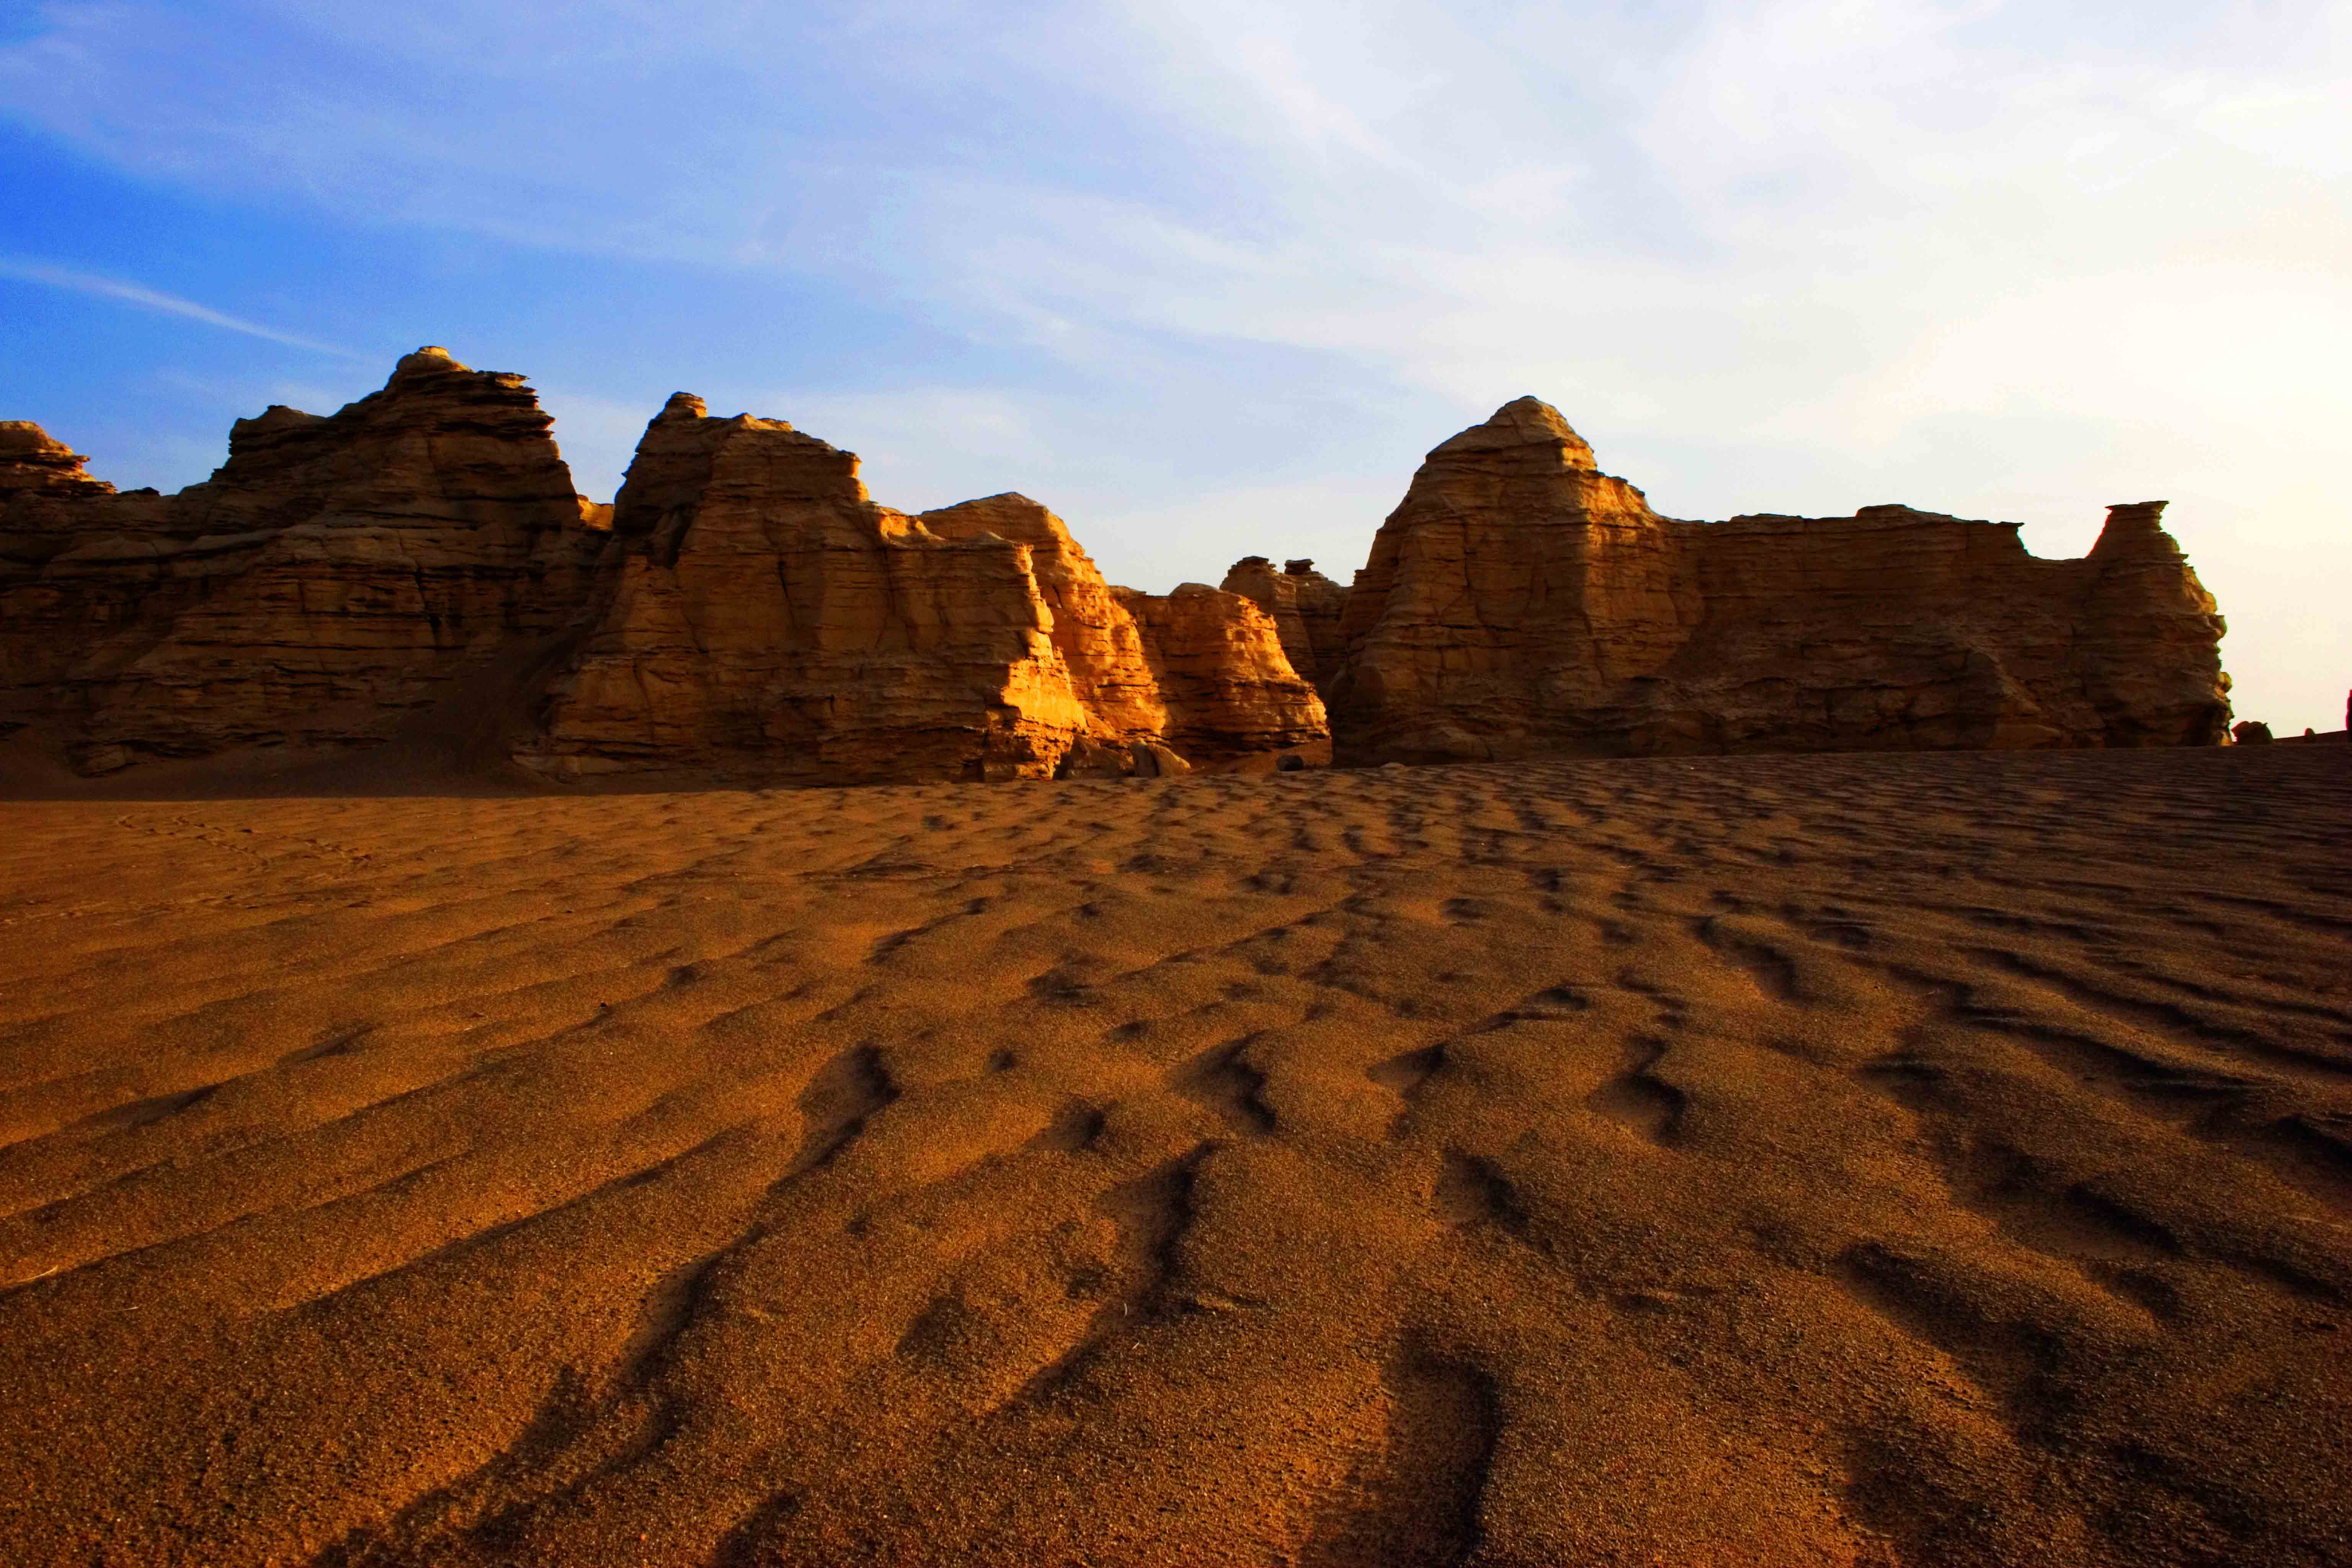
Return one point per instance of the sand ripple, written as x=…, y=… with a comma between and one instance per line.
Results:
x=1857, y=1159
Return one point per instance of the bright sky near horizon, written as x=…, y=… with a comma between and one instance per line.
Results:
x=1207, y=277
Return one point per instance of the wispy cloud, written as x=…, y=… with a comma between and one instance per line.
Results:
x=147, y=298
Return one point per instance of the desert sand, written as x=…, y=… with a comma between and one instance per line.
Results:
x=1895, y=1159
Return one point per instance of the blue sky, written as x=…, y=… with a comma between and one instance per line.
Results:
x=1207, y=277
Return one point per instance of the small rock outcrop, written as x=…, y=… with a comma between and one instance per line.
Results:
x=1228, y=685
x=31, y=463
x=1521, y=602
x=1306, y=608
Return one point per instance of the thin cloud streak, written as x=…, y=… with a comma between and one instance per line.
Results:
x=147, y=298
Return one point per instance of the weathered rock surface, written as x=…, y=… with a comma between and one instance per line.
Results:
x=33, y=463
x=1097, y=638
x=1228, y=686
x=765, y=617
x=1521, y=602
x=336, y=574
x=420, y=563
x=1306, y=608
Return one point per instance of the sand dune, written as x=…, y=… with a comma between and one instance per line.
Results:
x=1927, y=1159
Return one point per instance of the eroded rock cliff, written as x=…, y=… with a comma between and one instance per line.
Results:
x=335, y=575
x=1229, y=686
x=1099, y=639
x=420, y=563
x=1306, y=608
x=766, y=618
x=1519, y=602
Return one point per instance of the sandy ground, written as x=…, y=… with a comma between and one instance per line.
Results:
x=1910, y=1160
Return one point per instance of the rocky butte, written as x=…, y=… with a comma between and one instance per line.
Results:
x=334, y=578
x=1519, y=602
x=419, y=566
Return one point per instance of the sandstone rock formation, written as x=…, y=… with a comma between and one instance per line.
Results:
x=766, y=617
x=1097, y=638
x=419, y=563
x=1521, y=602
x=1228, y=686
x=336, y=574
x=1306, y=606
x=31, y=463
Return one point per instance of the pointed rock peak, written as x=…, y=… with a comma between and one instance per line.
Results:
x=2135, y=528
x=426, y=359
x=683, y=405
x=1524, y=427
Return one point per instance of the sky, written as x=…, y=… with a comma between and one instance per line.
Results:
x=1208, y=277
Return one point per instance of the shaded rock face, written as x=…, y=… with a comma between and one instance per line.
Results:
x=1520, y=602
x=1229, y=688
x=336, y=574
x=1306, y=608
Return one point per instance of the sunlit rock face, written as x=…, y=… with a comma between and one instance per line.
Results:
x=418, y=566
x=1520, y=602
x=1307, y=607
x=1229, y=688
x=763, y=615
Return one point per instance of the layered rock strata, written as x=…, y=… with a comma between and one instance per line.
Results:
x=1228, y=685
x=31, y=463
x=1521, y=602
x=765, y=617
x=1097, y=638
x=1306, y=608
x=335, y=575
x=419, y=564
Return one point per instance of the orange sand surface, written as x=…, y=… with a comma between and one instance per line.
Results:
x=1909, y=1160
